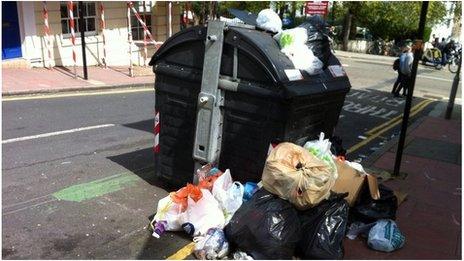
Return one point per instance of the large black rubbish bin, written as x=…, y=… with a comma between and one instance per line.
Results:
x=271, y=104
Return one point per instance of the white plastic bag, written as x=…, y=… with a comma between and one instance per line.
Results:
x=356, y=166
x=385, y=236
x=269, y=20
x=288, y=37
x=170, y=212
x=222, y=184
x=229, y=194
x=204, y=214
x=303, y=58
x=233, y=200
x=321, y=149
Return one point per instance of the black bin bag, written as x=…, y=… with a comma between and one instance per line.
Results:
x=368, y=210
x=323, y=229
x=265, y=227
x=318, y=40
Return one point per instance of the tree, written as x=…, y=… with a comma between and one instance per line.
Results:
x=390, y=20
x=250, y=6
x=457, y=12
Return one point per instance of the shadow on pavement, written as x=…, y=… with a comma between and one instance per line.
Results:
x=145, y=125
x=141, y=163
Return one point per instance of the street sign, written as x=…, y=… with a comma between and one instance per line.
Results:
x=316, y=7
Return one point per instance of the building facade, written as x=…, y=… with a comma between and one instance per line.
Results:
x=24, y=36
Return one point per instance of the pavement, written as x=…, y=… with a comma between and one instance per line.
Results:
x=430, y=218
x=18, y=81
x=365, y=56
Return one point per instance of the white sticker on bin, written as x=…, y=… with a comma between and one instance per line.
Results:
x=337, y=71
x=293, y=74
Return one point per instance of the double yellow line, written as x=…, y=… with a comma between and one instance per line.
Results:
x=379, y=130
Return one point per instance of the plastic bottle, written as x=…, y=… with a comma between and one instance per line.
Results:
x=160, y=227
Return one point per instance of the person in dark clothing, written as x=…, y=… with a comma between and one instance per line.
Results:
x=443, y=46
x=397, y=85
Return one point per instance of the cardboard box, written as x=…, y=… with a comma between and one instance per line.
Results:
x=350, y=180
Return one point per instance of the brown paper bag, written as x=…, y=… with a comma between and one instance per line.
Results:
x=294, y=174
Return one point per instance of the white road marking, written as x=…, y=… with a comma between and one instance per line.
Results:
x=434, y=78
x=73, y=94
x=426, y=77
x=56, y=133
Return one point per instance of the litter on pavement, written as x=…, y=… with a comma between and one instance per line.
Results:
x=308, y=200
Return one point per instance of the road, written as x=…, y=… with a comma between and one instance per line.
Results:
x=78, y=171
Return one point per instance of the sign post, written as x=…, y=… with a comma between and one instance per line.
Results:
x=411, y=83
x=317, y=8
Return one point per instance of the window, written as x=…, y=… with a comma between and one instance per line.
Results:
x=89, y=17
x=145, y=14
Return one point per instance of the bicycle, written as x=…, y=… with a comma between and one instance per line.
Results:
x=377, y=47
x=454, y=60
x=393, y=49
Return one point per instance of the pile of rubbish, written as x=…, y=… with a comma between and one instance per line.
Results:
x=307, y=46
x=307, y=202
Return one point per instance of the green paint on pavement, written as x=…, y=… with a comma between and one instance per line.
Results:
x=96, y=188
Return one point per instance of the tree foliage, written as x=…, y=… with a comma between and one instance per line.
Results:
x=457, y=10
x=250, y=6
x=391, y=20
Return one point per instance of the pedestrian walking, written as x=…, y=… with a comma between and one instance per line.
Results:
x=405, y=66
x=397, y=85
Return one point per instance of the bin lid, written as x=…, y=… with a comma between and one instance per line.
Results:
x=261, y=47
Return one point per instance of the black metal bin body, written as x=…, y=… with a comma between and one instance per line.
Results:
x=267, y=106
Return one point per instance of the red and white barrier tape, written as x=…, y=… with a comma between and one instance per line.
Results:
x=145, y=28
x=73, y=35
x=169, y=19
x=156, y=147
x=145, y=52
x=129, y=36
x=47, y=34
x=103, y=27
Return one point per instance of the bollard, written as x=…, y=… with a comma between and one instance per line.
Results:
x=454, y=90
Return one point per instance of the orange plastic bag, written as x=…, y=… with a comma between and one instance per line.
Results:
x=181, y=196
x=207, y=183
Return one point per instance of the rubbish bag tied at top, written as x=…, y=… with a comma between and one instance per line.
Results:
x=294, y=174
x=204, y=214
x=265, y=227
x=182, y=195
